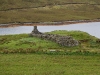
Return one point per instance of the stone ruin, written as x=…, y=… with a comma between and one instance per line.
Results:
x=61, y=40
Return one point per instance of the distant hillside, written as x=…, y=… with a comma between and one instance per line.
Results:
x=8, y=4
x=48, y=10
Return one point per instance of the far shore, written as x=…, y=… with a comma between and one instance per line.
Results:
x=15, y=24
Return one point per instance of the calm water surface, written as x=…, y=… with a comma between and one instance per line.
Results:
x=91, y=28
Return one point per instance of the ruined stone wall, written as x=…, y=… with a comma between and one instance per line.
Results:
x=61, y=40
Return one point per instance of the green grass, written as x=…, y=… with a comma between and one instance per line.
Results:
x=24, y=55
x=22, y=43
x=78, y=35
x=43, y=64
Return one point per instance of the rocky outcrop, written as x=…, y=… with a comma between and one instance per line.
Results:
x=61, y=40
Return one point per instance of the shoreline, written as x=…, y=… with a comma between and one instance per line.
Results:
x=47, y=23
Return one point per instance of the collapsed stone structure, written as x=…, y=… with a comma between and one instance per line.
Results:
x=61, y=40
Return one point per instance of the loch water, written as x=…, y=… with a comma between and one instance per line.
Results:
x=92, y=28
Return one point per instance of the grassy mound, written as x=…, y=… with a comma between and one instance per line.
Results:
x=22, y=43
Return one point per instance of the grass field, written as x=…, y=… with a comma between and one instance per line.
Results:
x=43, y=64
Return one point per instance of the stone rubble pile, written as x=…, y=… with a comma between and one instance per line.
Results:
x=61, y=40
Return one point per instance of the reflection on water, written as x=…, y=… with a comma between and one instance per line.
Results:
x=91, y=28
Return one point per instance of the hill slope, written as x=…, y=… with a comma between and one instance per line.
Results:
x=48, y=10
x=7, y=4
